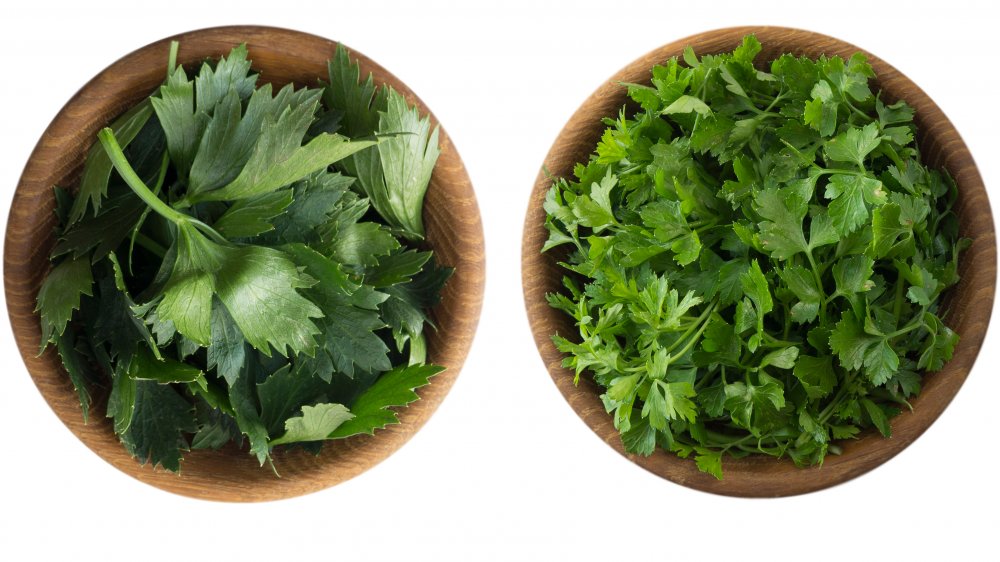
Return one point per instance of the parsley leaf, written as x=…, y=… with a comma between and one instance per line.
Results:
x=852, y=197
x=755, y=259
x=853, y=145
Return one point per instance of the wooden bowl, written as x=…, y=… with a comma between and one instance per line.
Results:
x=454, y=231
x=971, y=301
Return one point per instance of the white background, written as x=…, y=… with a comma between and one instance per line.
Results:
x=505, y=470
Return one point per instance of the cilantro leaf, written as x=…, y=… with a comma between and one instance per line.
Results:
x=816, y=375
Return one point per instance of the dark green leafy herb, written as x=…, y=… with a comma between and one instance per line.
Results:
x=757, y=259
x=225, y=282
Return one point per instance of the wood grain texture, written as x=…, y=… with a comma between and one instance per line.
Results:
x=971, y=301
x=454, y=232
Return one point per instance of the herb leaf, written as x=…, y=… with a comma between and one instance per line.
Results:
x=394, y=388
x=60, y=295
x=315, y=424
x=755, y=259
x=268, y=295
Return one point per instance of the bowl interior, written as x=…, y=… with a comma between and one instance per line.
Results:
x=454, y=232
x=970, y=301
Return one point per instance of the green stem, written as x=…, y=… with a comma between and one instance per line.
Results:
x=917, y=322
x=857, y=111
x=894, y=156
x=704, y=379
x=161, y=177
x=897, y=304
x=208, y=231
x=841, y=395
x=722, y=438
x=117, y=157
x=694, y=338
x=823, y=171
x=700, y=321
x=788, y=321
x=763, y=114
x=172, y=57
x=819, y=285
x=776, y=100
x=150, y=244
x=703, y=89
x=737, y=444
x=780, y=343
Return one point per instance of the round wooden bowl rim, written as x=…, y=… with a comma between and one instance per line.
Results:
x=454, y=231
x=759, y=476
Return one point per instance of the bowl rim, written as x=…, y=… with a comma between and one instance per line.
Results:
x=453, y=222
x=764, y=477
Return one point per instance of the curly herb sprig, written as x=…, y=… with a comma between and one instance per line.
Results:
x=757, y=258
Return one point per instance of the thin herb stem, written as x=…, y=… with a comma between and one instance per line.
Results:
x=781, y=343
x=775, y=101
x=726, y=439
x=856, y=110
x=893, y=155
x=161, y=177
x=117, y=157
x=696, y=336
x=897, y=304
x=823, y=171
x=149, y=244
x=172, y=57
x=208, y=231
x=841, y=395
x=819, y=285
x=917, y=322
x=700, y=321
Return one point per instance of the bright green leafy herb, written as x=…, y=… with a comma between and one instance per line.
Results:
x=757, y=259
x=232, y=281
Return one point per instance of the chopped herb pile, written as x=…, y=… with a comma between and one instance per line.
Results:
x=757, y=259
x=243, y=265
